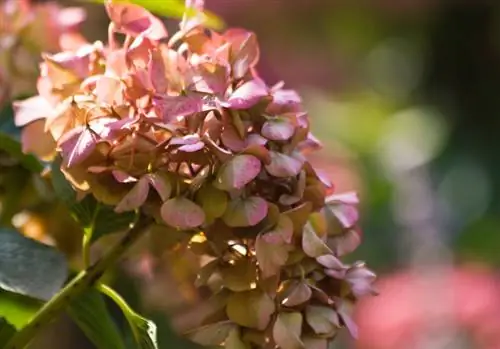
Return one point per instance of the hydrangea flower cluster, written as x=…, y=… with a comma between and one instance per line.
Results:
x=183, y=129
x=26, y=30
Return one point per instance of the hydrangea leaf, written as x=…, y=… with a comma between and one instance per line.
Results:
x=30, y=268
x=90, y=313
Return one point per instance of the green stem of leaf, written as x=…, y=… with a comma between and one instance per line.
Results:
x=87, y=239
x=83, y=281
x=122, y=304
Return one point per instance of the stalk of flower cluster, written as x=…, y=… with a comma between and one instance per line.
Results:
x=82, y=282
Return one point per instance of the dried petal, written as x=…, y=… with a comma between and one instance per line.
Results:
x=297, y=293
x=161, y=183
x=315, y=343
x=77, y=145
x=245, y=212
x=213, y=201
x=271, y=255
x=247, y=95
x=261, y=305
x=323, y=320
x=172, y=107
x=278, y=129
x=312, y=244
x=283, y=165
x=240, y=276
x=134, y=20
x=238, y=172
x=182, y=213
x=234, y=340
x=287, y=331
x=135, y=198
x=212, y=334
x=31, y=109
x=244, y=50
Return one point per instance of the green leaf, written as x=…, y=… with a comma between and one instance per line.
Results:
x=13, y=148
x=173, y=8
x=30, y=268
x=95, y=218
x=17, y=309
x=91, y=315
x=7, y=122
x=6, y=331
x=143, y=330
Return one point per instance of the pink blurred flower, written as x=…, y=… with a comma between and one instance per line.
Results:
x=27, y=30
x=409, y=306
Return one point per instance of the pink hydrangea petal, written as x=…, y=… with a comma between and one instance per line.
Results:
x=31, y=109
x=77, y=145
x=134, y=20
x=135, y=198
x=247, y=95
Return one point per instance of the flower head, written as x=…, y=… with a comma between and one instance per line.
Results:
x=183, y=128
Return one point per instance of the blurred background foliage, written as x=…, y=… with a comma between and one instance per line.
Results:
x=398, y=91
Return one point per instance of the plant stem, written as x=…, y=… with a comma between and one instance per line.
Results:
x=123, y=305
x=83, y=281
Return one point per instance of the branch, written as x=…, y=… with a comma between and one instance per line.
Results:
x=82, y=282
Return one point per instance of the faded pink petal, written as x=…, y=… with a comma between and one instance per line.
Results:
x=77, y=145
x=231, y=139
x=134, y=20
x=182, y=213
x=161, y=184
x=284, y=101
x=345, y=243
x=283, y=165
x=247, y=95
x=189, y=143
x=31, y=109
x=330, y=261
x=244, y=49
x=108, y=90
x=135, y=198
x=278, y=130
x=361, y=281
x=238, y=172
x=172, y=107
x=158, y=72
x=139, y=52
x=123, y=177
x=35, y=140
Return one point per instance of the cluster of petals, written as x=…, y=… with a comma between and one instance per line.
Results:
x=26, y=30
x=183, y=128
